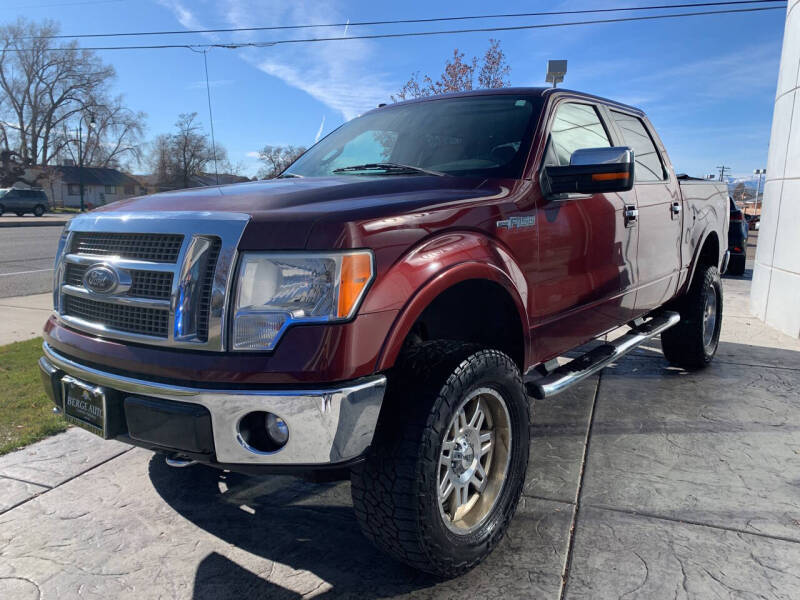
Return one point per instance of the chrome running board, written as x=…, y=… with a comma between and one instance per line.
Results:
x=588, y=364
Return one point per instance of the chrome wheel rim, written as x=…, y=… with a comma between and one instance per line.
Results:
x=473, y=460
x=709, y=316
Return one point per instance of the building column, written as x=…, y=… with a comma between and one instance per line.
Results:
x=775, y=293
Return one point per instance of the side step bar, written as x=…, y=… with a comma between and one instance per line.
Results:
x=590, y=363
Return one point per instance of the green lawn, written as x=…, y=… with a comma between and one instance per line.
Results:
x=26, y=413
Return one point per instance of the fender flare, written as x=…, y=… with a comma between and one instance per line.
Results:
x=699, y=249
x=443, y=280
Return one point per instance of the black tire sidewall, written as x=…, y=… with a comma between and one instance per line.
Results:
x=472, y=547
x=711, y=280
x=38, y=210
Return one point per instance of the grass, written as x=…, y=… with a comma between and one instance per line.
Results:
x=26, y=413
x=66, y=210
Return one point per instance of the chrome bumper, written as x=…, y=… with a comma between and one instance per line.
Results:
x=325, y=426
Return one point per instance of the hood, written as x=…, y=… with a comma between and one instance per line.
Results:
x=284, y=211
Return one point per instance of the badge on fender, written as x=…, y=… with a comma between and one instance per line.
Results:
x=517, y=222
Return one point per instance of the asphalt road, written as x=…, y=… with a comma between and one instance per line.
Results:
x=26, y=260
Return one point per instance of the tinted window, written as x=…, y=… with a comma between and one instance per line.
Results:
x=471, y=136
x=575, y=126
x=648, y=162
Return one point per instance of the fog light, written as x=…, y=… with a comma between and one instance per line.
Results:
x=277, y=429
x=263, y=432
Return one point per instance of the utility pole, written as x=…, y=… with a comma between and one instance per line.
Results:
x=758, y=173
x=722, y=169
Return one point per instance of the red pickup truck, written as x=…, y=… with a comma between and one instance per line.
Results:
x=386, y=308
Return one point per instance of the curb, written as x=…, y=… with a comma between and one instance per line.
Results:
x=35, y=224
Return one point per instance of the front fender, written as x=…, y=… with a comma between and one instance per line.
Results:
x=413, y=282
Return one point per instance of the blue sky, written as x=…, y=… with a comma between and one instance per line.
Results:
x=707, y=83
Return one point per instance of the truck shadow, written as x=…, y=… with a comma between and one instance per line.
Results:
x=300, y=525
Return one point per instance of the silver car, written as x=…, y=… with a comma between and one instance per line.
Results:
x=23, y=201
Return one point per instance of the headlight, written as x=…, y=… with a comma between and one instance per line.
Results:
x=277, y=290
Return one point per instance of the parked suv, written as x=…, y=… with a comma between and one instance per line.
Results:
x=737, y=239
x=23, y=201
x=385, y=309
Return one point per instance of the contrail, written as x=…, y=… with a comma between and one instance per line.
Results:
x=319, y=131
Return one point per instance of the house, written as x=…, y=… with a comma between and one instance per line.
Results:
x=151, y=184
x=101, y=185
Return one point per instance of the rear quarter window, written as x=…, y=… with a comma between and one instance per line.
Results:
x=649, y=166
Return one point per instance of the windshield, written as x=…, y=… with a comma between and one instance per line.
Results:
x=481, y=136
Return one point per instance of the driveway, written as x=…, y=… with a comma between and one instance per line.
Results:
x=644, y=482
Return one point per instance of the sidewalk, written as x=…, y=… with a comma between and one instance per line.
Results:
x=645, y=481
x=23, y=317
x=46, y=220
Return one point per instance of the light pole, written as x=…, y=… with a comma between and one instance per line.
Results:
x=80, y=153
x=758, y=173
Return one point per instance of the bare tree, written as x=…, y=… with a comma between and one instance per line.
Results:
x=45, y=89
x=277, y=159
x=459, y=75
x=176, y=157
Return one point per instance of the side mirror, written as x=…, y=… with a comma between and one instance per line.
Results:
x=592, y=171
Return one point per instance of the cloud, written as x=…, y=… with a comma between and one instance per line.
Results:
x=341, y=75
x=253, y=154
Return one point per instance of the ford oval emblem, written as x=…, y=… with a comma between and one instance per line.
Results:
x=100, y=279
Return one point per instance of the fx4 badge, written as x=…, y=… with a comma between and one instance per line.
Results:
x=517, y=222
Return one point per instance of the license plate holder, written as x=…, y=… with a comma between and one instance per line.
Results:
x=85, y=405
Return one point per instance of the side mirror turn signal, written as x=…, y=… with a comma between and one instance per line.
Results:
x=592, y=171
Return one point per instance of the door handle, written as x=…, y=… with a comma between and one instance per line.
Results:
x=676, y=208
x=631, y=215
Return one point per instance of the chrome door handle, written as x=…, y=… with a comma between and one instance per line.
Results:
x=676, y=208
x=631, y=215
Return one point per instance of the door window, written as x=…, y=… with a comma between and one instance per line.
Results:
x=575, y=126
x=635, y=134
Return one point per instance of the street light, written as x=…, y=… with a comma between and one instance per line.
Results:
x=759, y=173
x=80, y=153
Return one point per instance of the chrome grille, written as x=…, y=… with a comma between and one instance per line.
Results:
x=121, y=317
x=169, y=276
x=134, y=246
x=144, y=284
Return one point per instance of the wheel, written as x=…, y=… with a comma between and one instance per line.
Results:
x=736, y=264
x=38, y=210
x=2, y=210
x=445, y=471
x=693, y=342
x=20, y=214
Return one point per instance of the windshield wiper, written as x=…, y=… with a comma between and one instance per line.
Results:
x=289, y=175
x=389, y=167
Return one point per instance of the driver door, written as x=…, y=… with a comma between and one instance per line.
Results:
x=585, y=282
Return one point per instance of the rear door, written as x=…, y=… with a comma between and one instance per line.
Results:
x=585, y=283
x=660, y=212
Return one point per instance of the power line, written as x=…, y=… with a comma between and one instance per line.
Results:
x=401, y=21
x=57, y=5
x=211, y=116
x=266, y=44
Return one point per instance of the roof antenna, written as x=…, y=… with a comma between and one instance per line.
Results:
x=211, y=117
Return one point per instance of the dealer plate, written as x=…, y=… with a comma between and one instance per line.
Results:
x=85, y=405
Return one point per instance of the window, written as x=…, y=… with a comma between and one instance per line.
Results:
x=474, y=136
x=73, y=189
x=648, y=162
x=129, y=190
x=111, y=189
x=575, y=126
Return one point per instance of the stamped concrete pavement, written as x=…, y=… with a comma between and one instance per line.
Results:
x=645, y=482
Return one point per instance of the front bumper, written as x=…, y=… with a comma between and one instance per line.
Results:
x=326, y=426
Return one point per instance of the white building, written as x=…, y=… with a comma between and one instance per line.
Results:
x=775, y=294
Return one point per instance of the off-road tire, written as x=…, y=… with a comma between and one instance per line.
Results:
x=683, y=344
x=395, y=491
x=38, y=210
x=736, y=265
